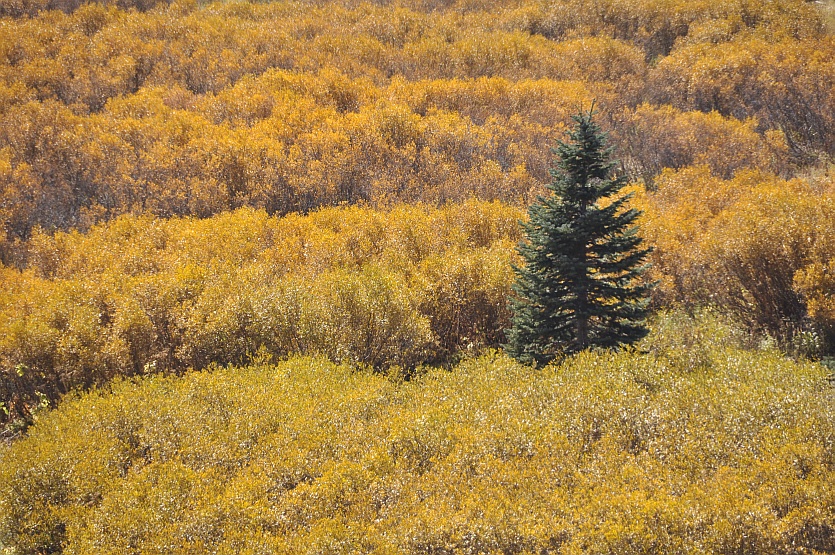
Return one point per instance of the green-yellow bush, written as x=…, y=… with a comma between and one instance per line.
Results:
x=466, y=295
x=367, y=317
x=628, y=452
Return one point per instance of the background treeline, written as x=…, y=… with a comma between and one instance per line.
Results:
x=177, y=109
x=696, y=447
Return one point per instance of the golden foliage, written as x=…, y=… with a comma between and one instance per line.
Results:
x=664, y=138
x=754, y=76
x=755, y=245
x=178, y=109
x=687, y=449
x=142, y=295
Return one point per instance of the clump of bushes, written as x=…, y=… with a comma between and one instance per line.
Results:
x=757, y=247
x=385, y=288
x=139, y=295
x=707, y=448
x=180, y=108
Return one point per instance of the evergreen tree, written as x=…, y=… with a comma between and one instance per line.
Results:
x=579, y=284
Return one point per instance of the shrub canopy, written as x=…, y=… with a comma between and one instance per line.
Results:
x=696, y=447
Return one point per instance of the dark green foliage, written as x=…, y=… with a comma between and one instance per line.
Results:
x=579, y=285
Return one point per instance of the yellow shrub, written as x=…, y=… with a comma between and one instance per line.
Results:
x=195, y=110
x=465, y=295
x=365, y=318
x=634, y=452
x=751, y=245
x=142, y=295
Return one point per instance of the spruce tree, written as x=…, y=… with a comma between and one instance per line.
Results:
x=579, y=285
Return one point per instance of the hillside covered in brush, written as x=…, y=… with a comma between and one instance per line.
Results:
x=256, y=267
x=185, y=184
x=189, y=109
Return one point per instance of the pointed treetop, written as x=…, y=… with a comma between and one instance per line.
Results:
x=579, y=286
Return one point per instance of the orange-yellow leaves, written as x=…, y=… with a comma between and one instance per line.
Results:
x=138, y=295
x=754, y=245
x=180, y=110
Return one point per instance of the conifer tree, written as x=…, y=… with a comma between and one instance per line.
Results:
x=579, y=285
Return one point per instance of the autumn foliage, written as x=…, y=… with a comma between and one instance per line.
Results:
x=399, y=287
x=697, y=446
x=149, y=114
x=141, y=295
x=180, y=109
x=256, y=263
x=757, y=246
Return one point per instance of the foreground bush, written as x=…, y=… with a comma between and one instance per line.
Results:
x=698, y=446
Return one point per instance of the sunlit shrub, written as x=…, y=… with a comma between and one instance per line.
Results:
x=142, y=295
x=753, y=77
x=364, y=318
x=754, y=246
x=195, y=109
x=638, y=452
x=466, y=296
x=816, y=285
x=659, y=138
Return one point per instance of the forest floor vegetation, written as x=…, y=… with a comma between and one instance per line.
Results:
x=256, y=262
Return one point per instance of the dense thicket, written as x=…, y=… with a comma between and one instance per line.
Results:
x=286, y=106
x=696, y=447
x=123, y=123
x=759, y=247
x=143, y=295
x=380, y=288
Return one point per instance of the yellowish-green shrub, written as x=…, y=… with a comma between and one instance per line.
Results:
x=604, y=452
x=367, y=317
x=465, y=293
